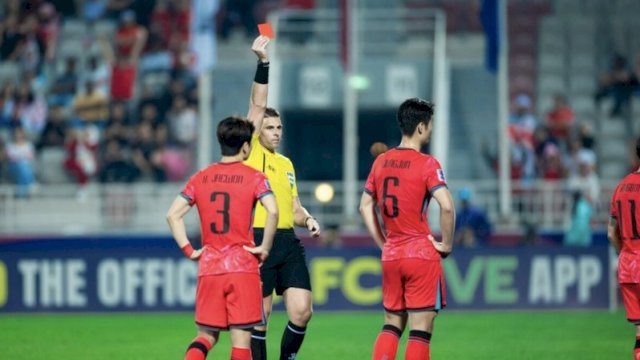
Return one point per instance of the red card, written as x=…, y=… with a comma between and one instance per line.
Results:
x=266, y=30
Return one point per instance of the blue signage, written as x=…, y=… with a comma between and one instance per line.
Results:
x=150, y=274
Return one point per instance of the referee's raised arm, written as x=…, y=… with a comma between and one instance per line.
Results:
x=260, y=87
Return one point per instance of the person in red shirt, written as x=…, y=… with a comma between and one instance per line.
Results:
x=624, y=235
x=401, y=183
x=560, y=119
x=229, y=293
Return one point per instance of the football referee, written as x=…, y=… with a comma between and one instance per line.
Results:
x=285, y=270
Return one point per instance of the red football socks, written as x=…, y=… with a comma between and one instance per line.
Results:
x=240, y=354
x=418, y=345
x=386, y=345
x=198, y=349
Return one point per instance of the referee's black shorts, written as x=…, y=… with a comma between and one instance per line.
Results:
x=286, y=265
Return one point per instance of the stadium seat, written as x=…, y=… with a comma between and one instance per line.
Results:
x=583, y=24
x=551, y=62
x=551, y=84
x=566, y=7
x=613, y=169
x=105, y=28
x=49, y=166
x=552, y=25
x=9, y=71
x=582, y=63
x=582, y=103
x=549, y=42
x=73, y=29
x=582, y=84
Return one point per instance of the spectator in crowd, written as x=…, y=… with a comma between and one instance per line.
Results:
x=31, y=112
x=116, y=166
x=21, y=154
x=7, y=110
x=560, y=118
x=11, y=41
x=32, y=49
x=118, y=124
x=183, y=123
x=472, y=224
x=115, y=8
x=577, y=154
x=48, y=29
x=175, y=163
x=81, y=161
x=54, y=132
x=522, y=125
x=65, y=86
x=579, y=232
x=239, y=13
x=585, y=189
x=91, y=107
x=92, y=10
x=130, y=39
x=149, y=114
x=586, y=137
x=98, y=72
x=618, y=83
x=552, y=166
x=146, y=155
x=66, y=8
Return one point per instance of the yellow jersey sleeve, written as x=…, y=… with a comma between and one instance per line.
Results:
x=279, y=170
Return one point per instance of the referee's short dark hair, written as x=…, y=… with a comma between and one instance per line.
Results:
x=271, y=112
x=638, y=148
x=412, y=112
x=233, y=132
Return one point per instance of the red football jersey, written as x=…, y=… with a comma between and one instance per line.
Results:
x=225, y=195
x=401, y=181
x=625, y=208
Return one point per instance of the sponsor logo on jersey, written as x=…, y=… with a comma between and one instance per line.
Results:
x=440, y=175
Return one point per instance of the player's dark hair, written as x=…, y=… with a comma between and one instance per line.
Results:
x=638, y=148
x=233, y=132
x=413, y=112
x=271, y=112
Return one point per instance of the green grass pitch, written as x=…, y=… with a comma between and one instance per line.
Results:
x=335, y=335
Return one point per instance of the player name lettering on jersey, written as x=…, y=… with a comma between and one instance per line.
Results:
x=630, y=188
x=225, y=179
x=396, y=164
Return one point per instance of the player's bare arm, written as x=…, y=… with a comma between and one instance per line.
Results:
x=260, y=87
x=370, y=218
x=271, y=206
x=175, y=218
x=302, y=218
x=447, y=220
x=613, y=232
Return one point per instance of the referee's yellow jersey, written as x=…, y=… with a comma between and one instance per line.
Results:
x=282, y=177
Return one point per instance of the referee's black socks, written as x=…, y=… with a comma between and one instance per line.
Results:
x=291, y=341
x=259, y=345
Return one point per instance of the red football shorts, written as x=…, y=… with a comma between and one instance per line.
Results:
x=631, y=298
x=232, y=300
x=412, y=285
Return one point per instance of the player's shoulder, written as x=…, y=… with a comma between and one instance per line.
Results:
x=248, y=169
x=428, y=161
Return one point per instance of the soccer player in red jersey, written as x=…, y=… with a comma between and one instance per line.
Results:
x=624, y=234
x=229, y=293
x=401, y=183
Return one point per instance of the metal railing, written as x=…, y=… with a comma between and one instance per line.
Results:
x=141, y=208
